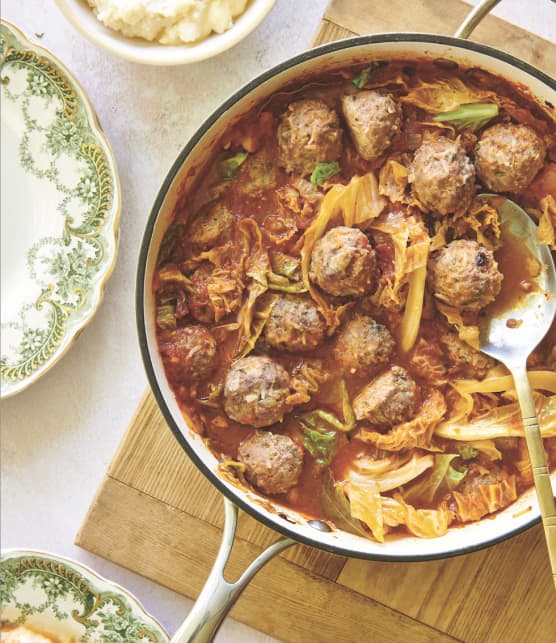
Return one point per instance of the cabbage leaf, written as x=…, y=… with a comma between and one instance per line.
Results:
x=415, y=433
x=502, y=422
x=445, y=95
x=547, y=223
x=323, y=172
x=393, y=471
x=472, y=116
x=442, y=478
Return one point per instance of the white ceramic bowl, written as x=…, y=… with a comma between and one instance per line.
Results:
x=138, y=50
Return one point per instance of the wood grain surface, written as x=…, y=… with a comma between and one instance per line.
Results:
x=156, y=514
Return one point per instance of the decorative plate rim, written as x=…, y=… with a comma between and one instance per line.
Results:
x=79, y=322
x=84, y=570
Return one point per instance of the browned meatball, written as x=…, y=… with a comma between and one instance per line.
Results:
x=443, y=176
x=343, y=263
x=272, y=462
x=508, y=157
x=212, y=227
x=464, y=359
x=309, y=133
x=362, y=345
x=199, y=301
x=373, y=120
x=189, y=353
x=465, y=275
x=389, y=399
x=294, y=324
x=255, y=391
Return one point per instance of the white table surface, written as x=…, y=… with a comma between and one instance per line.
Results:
x=59, y=436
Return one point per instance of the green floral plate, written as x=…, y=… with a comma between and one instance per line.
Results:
x=65, y=599
x=60, y=206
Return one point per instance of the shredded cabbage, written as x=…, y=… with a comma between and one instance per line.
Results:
x=257, y=267
x=502, y=422
x=445, y=95
x=416, y=433
x=393, y=181
x=481, y=221
x=393, y=471
x=306, y=380
x=381, y=512
x=486, y=493
x=441, y=479
x=472, y=116
x=357, y=203
x=469, y=334
x=543, y=380
x=411, y=251
x=547, y=223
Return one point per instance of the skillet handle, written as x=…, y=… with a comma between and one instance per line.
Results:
x=474, y=17
x=218, y=595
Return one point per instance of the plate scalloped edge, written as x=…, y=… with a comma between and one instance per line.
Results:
x=62, y=151
x=51, y=592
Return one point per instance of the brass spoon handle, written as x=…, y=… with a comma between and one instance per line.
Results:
x=538, y=462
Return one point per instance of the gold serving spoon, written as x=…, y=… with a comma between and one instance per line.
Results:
x=511, y=328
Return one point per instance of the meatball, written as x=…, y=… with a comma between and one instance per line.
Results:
x=508, y=157
x=189, y=353
x=390, y=399
x=443, y=176
x=255, y=391
x=199, y=301
x=373, y=121
x=294, y=324
x=362, y=345
x=309, y=133
x=272, y=462
x=343, y=263
x=212, y=227
x=465, y=275
x=464, y=359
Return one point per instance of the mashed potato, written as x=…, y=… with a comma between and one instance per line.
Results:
x=22, y=634
x=170, y=22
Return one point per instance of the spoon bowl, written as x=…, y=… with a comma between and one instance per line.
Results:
x=510, y=330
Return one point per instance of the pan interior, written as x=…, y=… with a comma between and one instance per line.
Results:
x=524, y=512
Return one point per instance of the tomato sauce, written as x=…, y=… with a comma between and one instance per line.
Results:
x=283, y=207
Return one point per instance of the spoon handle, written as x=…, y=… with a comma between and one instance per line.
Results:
x=539, y=466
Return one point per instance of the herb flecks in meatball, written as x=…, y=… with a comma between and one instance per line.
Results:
x=465, y=275
x=309, y=133
x=463, y=359
x=255, y=391
x=508, y=157
x=272, y=462
x=294, y=324
x=443, y=176
x=362, y=345
x=189, y=353
x=212, y=227
x=390, y=399
x=343, y=263
x=373, y=120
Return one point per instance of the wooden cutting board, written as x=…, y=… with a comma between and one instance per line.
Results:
x=157, y=515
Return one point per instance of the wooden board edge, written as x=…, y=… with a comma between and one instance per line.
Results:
x=329, y=32
x=140, y=541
